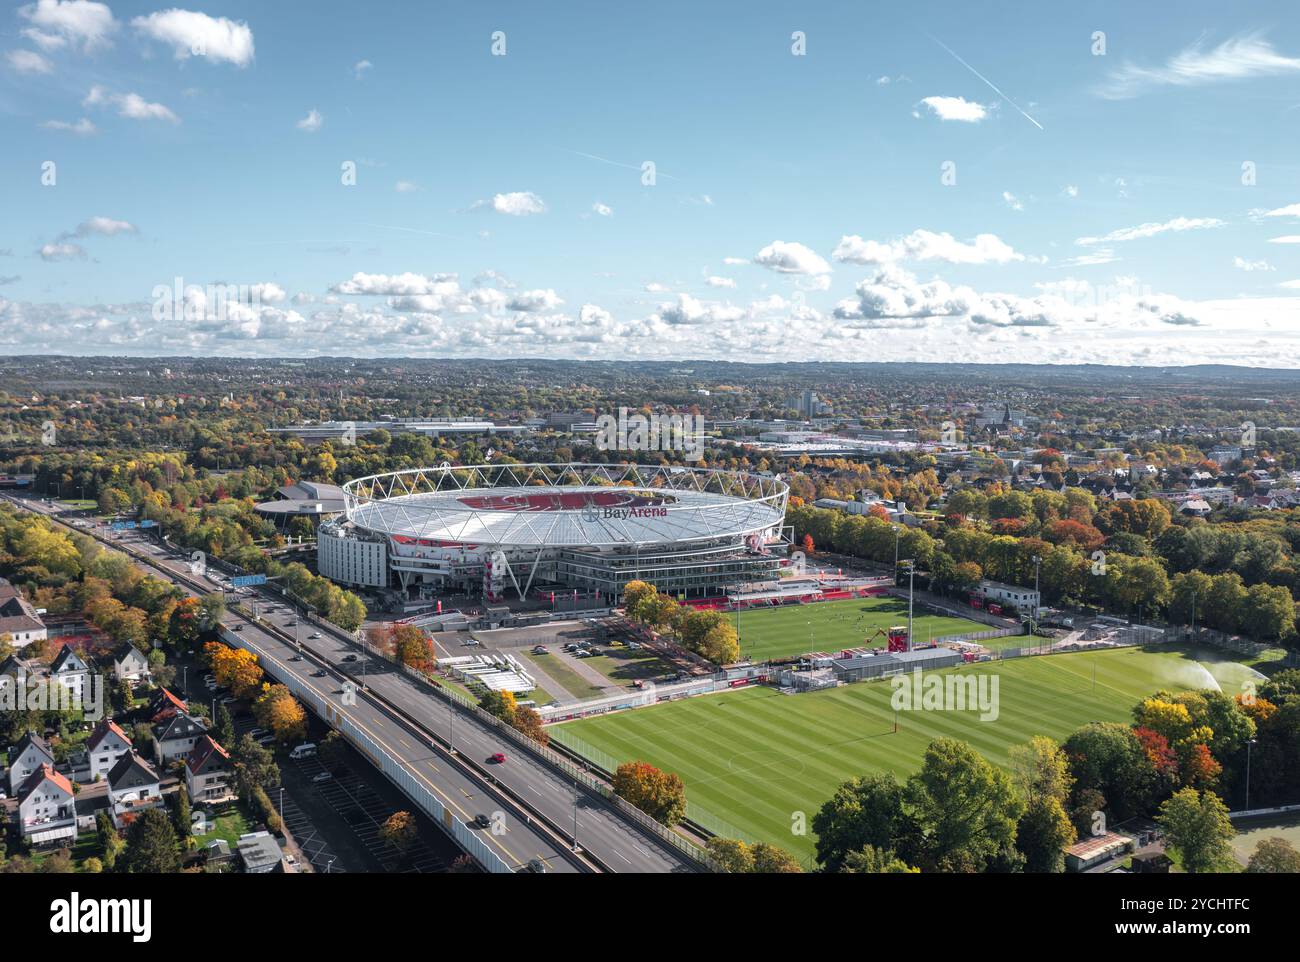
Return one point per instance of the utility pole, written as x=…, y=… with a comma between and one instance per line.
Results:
x=1249, y=742
x=911, y=581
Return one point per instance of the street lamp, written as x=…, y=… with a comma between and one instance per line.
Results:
x=1249, y=743
x=911, y=580
x=897, y=534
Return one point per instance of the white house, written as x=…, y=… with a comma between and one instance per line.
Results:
x=27, y=757
x=1025, y=600
x=130, y=666
x=18, y=619
x=47, y=812
x=175, y=736
x=106, y=744
x=70, y=670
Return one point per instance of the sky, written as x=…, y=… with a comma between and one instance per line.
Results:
x=1109, y=183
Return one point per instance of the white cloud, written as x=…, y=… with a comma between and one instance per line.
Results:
x=61, y=252
x=1244, y=265
x=734, y=261
x=1012, y=201
x=1239, y=58
x=82, y=128
x=1290, y=285
x=532, y=301
x=791, y=258
x=1291, y=210
x=719, y=281
x=104, y=226
x=924, y=245
x=1287, y=239
x=1070, y=190
x=397, y=284
x=129, y=105
x=1100, y=255
x=1152, y=229
x=28, y=62
x=689, y=311
x=956, y=108
x=267, y=292
x=193, y=34
x=654, y=287
x=360, y=67
x=405, y=187
x=312, y=122
x=59, y=23
x=519, y=203
x=604, y=210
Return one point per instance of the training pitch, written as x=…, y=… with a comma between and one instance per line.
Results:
x=754, y=758
x=792, y=630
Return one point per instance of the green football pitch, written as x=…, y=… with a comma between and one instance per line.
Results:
x=754, y=758
x=834, y=625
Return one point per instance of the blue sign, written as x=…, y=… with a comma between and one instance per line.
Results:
x=247, y=581
x=121, y=525
x=148, y=524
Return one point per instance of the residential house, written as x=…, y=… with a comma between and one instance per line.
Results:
x=47, y=813
x=133, y=786
x=163, y=705
x=106, y=744
x=174, y=737
x=70, y=670
x=208, y=776
x=131, y=666
x=260, y=853
x=18, y=619
x=27, y=757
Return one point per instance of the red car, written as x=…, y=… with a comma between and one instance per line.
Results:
x=498, y=758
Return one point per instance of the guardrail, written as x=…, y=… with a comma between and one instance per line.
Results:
x=396, y=772
x=562, y=766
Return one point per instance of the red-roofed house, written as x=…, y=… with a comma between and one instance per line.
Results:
x=47, y=812
x=106, y=744
x=207, y=772
x=164, y=705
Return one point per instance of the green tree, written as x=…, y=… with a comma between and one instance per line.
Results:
x=870, y=860
x=965, y=809
x=151, y=846
x=1197, y=830
x=867, y=810
x=1274, y=856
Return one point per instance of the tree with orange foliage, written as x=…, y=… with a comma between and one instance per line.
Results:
x=1200, y=770
x=412, y=647
x=659, y=794
x=279, y=712
x=234, y=668
x=808, y=546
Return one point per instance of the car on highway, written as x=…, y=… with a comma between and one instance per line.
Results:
x=295, y=658
x=482, y=821
x=319, y=673
x=314, y=634
x=238, y=628
x=349, y=657
x=535, y=865
x=322, y=777
x=496, y=758
x=291, y=623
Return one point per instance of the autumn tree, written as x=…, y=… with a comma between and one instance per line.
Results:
x=659, y=794
x=278, y=711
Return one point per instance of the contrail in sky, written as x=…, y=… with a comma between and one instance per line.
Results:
x=990, y=83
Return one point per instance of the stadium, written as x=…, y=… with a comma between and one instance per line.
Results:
x=529, y=530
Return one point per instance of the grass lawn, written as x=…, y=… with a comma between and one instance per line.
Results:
x=226, y=820
x=1250, y=832
x=557, y=670
x=754, y=757
x=786, y=631
x=622, y=665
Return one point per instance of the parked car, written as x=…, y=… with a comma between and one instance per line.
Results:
x=266, y=740
x=322, y=777
x=305, y=750
x=539, y=649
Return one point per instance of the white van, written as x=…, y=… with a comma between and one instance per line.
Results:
x=305, y=750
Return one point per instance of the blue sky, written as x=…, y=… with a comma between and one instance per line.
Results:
x=1096, y=206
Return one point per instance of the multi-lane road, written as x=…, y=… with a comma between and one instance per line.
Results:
x=539, y=804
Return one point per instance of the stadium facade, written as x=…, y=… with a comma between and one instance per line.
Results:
x=521, y=530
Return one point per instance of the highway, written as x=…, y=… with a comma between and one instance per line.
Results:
x=616, y=844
